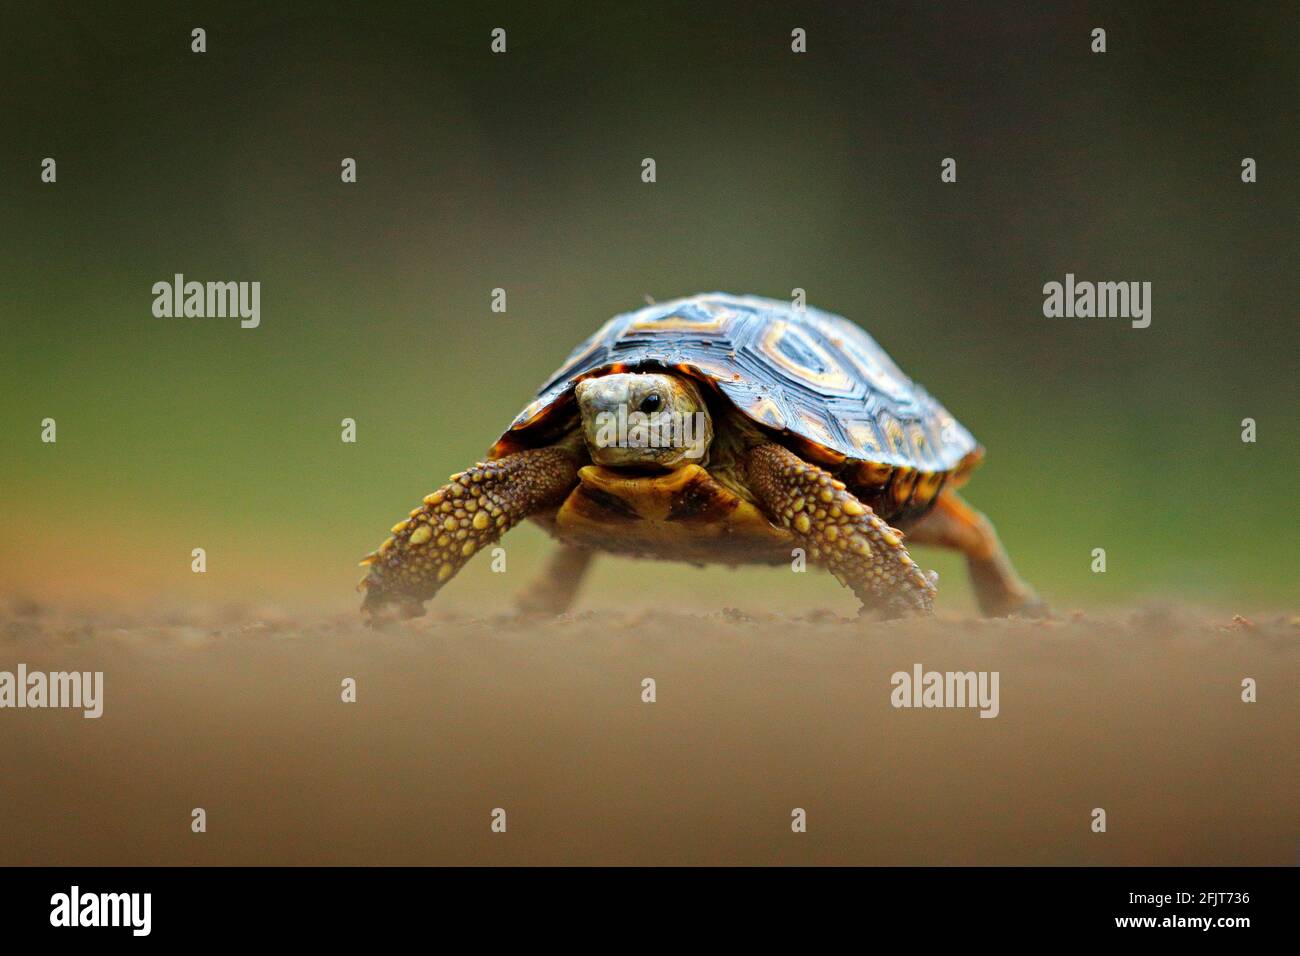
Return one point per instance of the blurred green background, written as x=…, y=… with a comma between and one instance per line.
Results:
x=522, y=171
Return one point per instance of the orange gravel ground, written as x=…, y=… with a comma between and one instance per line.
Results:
x=240, y=713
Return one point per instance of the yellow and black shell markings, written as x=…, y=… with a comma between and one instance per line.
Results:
x=816, y=378
x=682, y=515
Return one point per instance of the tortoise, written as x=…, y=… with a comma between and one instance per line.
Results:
x=717, y=429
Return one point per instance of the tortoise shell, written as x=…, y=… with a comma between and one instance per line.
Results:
x=814, y=379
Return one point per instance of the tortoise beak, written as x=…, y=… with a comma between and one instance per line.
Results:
x=599, y=401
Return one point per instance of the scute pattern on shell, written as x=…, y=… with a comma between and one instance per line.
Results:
x=808, y=372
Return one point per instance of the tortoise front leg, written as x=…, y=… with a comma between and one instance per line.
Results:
x=839, y=531
x=462, y=517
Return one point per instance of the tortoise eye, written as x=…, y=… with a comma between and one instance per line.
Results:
x=650, y=404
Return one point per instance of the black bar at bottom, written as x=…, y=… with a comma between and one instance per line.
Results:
x=330, y=905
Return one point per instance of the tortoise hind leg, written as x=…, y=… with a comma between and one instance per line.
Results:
x=552, y=591
x=952, y=523
x=839, y=532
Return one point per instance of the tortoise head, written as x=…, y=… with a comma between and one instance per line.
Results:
x=644, y=419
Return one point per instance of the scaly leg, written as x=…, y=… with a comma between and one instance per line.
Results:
x=952, y=523
x=553, y=590
x=475, y=509
x=839, y=531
